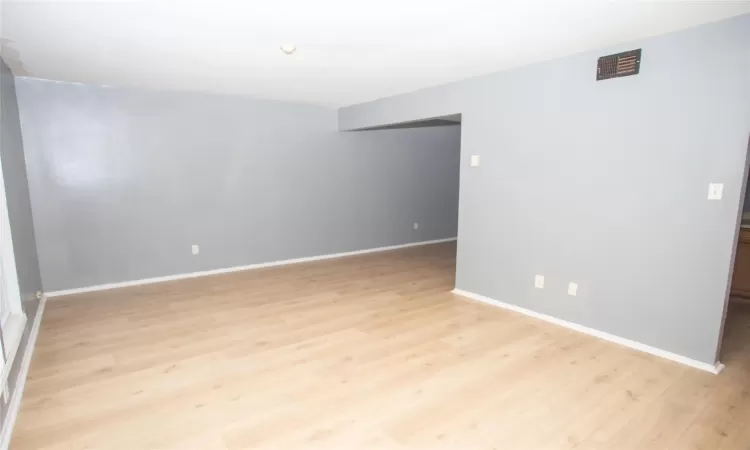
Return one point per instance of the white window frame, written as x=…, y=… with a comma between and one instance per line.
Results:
x=13, y=320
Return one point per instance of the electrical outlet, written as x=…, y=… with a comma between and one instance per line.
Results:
x=539, y=281
x=416, y=225
x=572, y=289
x=474, y=160
x=196, y=249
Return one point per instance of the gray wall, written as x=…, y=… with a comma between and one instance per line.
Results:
x=603, y=183
x=17, y=189
x=19, y=215
x=124, y=181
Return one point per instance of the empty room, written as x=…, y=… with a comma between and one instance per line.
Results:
x=398, y=225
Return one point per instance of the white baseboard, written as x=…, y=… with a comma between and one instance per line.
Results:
x=15, y=401
x=715, y=369
x=204, y=273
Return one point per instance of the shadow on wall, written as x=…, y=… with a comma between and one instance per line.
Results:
x=441, y=121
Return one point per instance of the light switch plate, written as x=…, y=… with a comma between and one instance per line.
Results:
x=572, y=289
x=416, y=225
x=715, y=191
x=539, y=281
x=474, y=160
x=196, y=249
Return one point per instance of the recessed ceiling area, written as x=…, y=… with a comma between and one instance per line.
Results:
x=346, y=52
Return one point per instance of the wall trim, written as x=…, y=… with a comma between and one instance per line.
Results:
x=715, y=369
x=15, y=402
x=102, y=287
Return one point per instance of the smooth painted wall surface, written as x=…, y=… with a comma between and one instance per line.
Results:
x=19, y=216
x=17, y=190
x=124, y=181
x=603, y=183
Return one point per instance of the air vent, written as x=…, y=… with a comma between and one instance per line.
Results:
x=619, y=65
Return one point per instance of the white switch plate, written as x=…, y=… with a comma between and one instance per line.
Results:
x=539, y=281
x=416, y=225
x=196, y=249
x=572, y=288
x=474, y=160
x=715, y=191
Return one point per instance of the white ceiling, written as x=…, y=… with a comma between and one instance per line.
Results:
x=348, y=51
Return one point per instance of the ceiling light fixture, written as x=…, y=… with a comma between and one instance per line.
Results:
x=288, y=48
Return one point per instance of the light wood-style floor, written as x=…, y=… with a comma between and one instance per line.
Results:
x=369, y=352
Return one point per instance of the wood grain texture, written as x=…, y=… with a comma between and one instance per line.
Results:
x=367, y=352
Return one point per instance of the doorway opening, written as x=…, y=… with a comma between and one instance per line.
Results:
x=734, y=341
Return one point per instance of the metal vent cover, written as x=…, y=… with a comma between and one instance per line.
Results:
x=619, y=65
